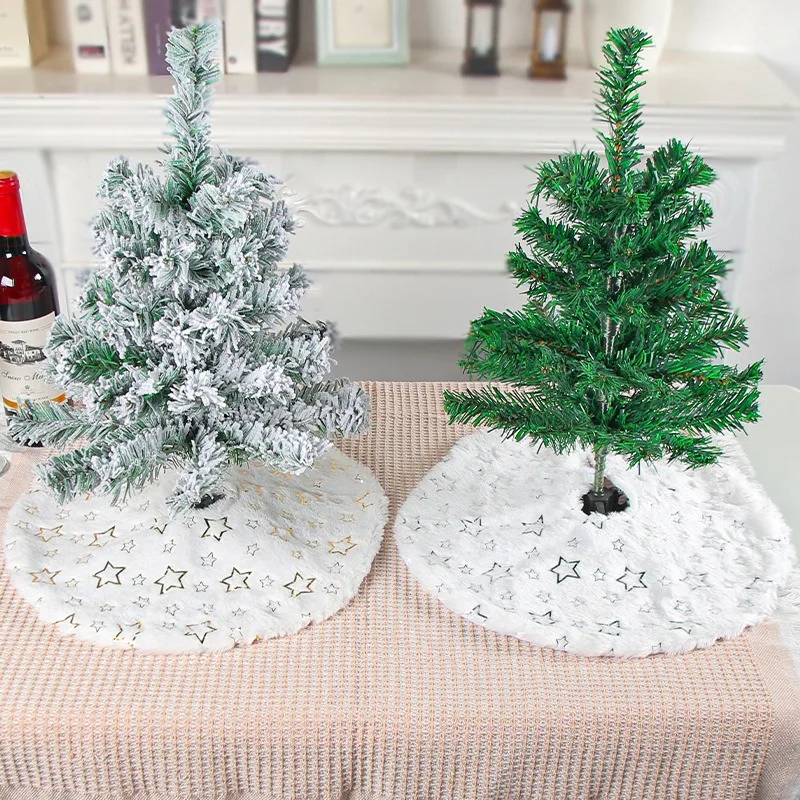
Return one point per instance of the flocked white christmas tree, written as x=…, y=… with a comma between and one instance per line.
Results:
x=185, y=350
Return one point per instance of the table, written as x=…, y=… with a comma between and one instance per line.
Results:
x=394, y=697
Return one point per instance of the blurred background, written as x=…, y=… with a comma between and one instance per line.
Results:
x=406, y=176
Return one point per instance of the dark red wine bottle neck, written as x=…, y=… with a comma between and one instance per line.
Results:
x=12, y=219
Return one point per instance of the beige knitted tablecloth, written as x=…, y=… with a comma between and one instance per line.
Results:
x=394, y=697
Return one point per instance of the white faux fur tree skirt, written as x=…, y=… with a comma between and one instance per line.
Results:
x=497, y=533
x=278, y=553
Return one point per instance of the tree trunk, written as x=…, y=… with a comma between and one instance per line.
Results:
x=600, y=454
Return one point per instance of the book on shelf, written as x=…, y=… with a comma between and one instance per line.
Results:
x=260, y=35
x=89, y=36
x=126, y=39
x=276, y=34
x=240, y=36
x=23, y=32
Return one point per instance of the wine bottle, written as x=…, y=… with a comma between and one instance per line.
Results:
x=28, y=306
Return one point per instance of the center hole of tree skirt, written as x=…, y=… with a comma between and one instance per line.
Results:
x=611, y=499
x=209, y=500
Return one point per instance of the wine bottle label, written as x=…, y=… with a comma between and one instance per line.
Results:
x=22, y=359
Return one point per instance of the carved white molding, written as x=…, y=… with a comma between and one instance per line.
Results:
x=357, y=206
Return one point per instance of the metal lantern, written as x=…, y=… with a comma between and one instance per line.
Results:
x=483, y=28
x=549, y=40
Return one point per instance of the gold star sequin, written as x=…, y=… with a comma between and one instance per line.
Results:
x=303, y=500
x=335, y=465
x=299, y=585
x=200, y=630
x=171, y=579
x=102, y=538
x=360, y=501
x=128, y=633
x=236, y=580
x=215, y=527
x=45, y=576
x=342, y=546
x=109, y=575
x=70, y=620
x=46, y=534
x=282, y=537
x=32, y=510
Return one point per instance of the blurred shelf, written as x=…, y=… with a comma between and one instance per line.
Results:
x=728, y=105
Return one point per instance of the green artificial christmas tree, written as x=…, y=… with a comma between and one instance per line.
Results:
x=185, y=350
x=617, y=346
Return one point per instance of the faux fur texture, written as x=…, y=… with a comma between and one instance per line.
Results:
x=497, y=533
x=278, y=553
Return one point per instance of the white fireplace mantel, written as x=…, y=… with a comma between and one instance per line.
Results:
x=407, y=180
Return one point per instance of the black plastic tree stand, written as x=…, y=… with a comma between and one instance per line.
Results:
x=610, y=499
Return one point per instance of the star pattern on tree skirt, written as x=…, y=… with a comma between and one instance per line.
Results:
x=474, y=527
x=542, y=619
x=102, y=538
x=109, y=575
x=128, y=546
x=128, y=632
x=696, y=580
x=361, y=501
x=299, y=585
x=497, y=572
x=236, y=580
x=562, y=641
x=631, y=580
x=215, y=527
x=535, y=528
x=70, y=621
x=609, y=628
x=159, y=528
x=46, y=534
x=565, y=569
x=209, y=560
x=477, y=613
x=341, y=546
x=200, y=630
x=171, y=579
x=682, y=607
x=684, y=625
